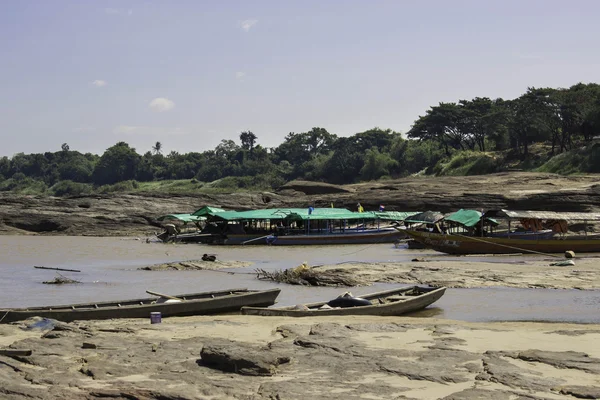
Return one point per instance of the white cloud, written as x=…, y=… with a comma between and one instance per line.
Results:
x=132, y=130
x=240, y=75
x=99, y=83
x=161, y=104
x=248, y=24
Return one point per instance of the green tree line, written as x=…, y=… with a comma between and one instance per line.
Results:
x=562, y=119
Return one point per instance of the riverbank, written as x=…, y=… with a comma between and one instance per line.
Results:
x=135, y=213
x=242, y=357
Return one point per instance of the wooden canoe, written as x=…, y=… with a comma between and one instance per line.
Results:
x=386, y=303
x=193, y=304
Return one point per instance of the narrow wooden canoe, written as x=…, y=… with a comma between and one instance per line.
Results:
x=386, y=303
x=193, y=304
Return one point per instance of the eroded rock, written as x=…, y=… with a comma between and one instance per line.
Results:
x=241, y=358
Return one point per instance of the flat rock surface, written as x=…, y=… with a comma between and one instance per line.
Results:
x=195, y=265
x=463, y=272
x=243, y=357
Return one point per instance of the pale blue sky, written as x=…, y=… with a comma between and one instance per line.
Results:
x=190, y=73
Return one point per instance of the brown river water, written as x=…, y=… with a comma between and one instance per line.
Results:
x=109, y=272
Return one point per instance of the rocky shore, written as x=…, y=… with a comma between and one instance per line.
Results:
x=135, y=214
x=252, y=358
x=242, y=357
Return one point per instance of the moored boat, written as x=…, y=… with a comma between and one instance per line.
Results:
x=532, y=235
x=385, y=303
x=223, y=301
x=295, y=226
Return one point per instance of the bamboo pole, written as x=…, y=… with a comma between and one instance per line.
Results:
x=166, y=296
x=56, y=269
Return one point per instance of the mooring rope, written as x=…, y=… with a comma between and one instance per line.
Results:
x=507, y=246
x=4, y=316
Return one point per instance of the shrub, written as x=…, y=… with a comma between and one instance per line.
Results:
x=70, y=188
x=124, y=186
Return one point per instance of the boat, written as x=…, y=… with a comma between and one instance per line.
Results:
x=184, y=228
x=536, y=239
x=223, y=301
x=298, y=226
x=386, y=303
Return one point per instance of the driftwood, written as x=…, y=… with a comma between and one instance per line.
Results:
x=305, y=275
x=56, y=269
x=60, y=280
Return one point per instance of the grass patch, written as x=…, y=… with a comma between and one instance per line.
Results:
x=577, y=161
x=469, y=163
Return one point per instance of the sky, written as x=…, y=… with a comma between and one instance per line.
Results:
x=192, y=73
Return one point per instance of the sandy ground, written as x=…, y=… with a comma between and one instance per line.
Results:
x=337, y=357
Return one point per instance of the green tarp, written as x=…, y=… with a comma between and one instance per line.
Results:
x=468, y=218
x=393, y=215
x=324, y=213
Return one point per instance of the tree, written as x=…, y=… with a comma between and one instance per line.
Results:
x=157, y=148
x=64, y=147
x=248, y=140
x=118, y=163
x=376, y=165
x=441, y=124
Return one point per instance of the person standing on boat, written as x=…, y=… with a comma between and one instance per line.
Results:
x=360, y=208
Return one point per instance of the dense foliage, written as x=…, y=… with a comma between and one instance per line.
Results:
x=475, y=136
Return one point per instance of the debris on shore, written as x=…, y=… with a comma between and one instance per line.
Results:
x=305, y=275
x=61, y=280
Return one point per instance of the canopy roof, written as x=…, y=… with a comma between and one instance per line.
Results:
x=207, y=210
x=393, y=215
x=324, y=213
x=468, y=218
x=566, y=216
x=181, y=217
x=427, y=217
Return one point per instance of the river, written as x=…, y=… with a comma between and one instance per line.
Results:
x=109, y=271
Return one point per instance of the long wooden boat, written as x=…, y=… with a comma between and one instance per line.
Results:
x=350, y=236
x=191, y=304
x=386, y=303
x=461, y=244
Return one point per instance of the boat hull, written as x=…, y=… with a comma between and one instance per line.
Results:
x=193, y=304
x=410, y=304
x=458, y=244
x=360, y=237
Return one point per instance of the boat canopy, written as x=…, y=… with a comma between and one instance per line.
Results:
x=427, y=217
x=306, y=214
x=468, y=218
x=393, y=215
x=207, y=210
x=181, y=217
x=547, y=215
